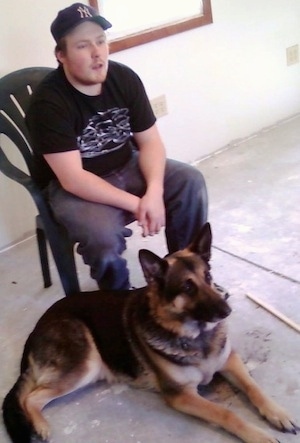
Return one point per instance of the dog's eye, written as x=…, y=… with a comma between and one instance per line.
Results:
x=207, y=277
x=189, y=287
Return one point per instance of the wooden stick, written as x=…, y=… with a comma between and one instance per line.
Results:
x=275, y=312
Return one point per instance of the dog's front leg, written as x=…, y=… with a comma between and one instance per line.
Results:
x=236, y=372
x=190, y=402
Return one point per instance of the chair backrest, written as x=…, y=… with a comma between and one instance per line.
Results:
x=15, y=91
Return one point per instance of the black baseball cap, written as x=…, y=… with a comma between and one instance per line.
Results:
x=68, y=18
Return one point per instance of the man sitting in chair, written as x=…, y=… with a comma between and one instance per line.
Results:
x=99, y=154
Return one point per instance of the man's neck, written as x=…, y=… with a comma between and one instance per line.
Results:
x=87, y=89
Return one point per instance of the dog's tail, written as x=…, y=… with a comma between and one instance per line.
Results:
x=17, y=425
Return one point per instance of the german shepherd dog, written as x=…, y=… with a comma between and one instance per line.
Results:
x=169, y=336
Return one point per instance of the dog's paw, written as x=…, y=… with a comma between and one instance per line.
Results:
x=257, y=435
x=279, y=418
x=42, y=430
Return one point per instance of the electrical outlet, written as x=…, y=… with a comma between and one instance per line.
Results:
x=159, y=106
x=292, y=55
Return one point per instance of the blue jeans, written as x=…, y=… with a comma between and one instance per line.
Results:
x=100, y=230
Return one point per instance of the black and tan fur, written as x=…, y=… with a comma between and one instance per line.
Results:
x=170, y=336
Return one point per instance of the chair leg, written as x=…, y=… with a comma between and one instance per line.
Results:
x=42, y=245
x=63, y=253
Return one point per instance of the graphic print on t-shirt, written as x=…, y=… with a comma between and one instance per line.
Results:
x=106, y=131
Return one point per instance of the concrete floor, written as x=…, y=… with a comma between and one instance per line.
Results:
x=254, y=189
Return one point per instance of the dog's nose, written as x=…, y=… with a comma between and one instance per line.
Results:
x=212, y=310
x=224, y=309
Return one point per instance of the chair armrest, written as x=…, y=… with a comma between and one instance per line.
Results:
x=24, y=179
x=13, y=172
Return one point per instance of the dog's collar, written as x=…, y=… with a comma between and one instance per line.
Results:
x=181, y=350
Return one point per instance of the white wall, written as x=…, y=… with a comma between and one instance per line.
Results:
x=223, y=82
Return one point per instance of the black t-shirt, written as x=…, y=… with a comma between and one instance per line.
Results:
x=60, y=119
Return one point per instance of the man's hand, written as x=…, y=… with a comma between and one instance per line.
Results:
x=151, y=214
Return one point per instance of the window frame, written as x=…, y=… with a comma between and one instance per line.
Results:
x=151, y=34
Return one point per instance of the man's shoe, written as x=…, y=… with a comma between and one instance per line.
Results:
x=224, y=293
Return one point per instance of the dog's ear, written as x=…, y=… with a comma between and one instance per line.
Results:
x=202, y=243
x=154, y=267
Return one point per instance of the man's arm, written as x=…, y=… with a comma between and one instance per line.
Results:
x=152, y=159
x=148, y=210
x=73, y=178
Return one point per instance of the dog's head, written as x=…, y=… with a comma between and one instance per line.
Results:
x=181, y=291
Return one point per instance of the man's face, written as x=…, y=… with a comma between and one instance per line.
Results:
x=85, y=59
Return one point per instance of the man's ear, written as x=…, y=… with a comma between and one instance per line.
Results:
x=201, y=245
x=154, y=267
x=60, y=56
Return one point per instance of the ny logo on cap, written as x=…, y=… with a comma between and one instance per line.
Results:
x=84, y=12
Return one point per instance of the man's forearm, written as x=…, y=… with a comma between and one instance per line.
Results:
x=86, y=185
x=152, y=160
x=93, y=188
